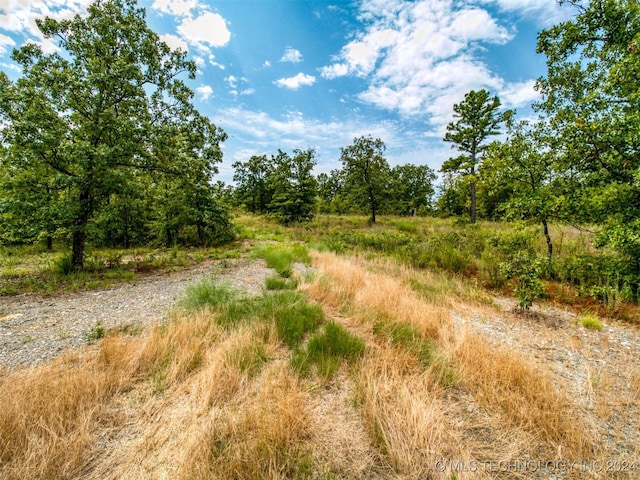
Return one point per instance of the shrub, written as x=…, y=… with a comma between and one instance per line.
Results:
x=591, y=322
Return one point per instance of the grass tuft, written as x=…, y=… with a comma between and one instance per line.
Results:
x=327, y=350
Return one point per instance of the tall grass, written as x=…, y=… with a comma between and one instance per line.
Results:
x=521, y=395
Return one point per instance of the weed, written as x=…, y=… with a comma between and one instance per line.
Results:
x=96, y=333
x=280, y=283
x=293, y=316
x=403, y=335
x=591, y=322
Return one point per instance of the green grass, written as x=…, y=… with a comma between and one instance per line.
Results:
x=293, y=316
x=592, y=322
x=280, y=283
x=406, y=336
x=327, y=350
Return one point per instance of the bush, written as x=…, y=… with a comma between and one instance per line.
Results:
x=525, y=268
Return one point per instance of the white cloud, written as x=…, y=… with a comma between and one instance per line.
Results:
x=180, y=8
x=19, y=16
x=199, y=61
x=5, y=43
x=247, y=91
x=546, y=12
x=174, y=42
x=204, y=91
x=266, y=64
x=334, y=71
x=207, y=30
x=291, y=55
x=421, y=57
x=477, y=24
x=296, y=82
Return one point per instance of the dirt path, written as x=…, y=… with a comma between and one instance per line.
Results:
x=35, y=329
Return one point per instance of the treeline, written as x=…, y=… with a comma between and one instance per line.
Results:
x=285, y=187
x=100, y=143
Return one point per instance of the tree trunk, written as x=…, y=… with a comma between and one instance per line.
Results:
x=473, y=202
x=548, y=238
x=80, y=231
x=49, y=242
x=77, y=249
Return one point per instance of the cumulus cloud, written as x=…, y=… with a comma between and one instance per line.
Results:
x=207, y=30
x=291, y=55
x=421, y=57
x=180, y=8
x=293, y=83
x=204, y=91
x=174, y=42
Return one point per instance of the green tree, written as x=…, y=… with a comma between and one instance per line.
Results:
x=411, y=190
x=366, y=172
x=476, y=118
x=112, y=103
x=295, y=187
x=591, y=95
x=253, y=188
x=526, y=164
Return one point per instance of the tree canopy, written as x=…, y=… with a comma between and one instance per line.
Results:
x=90, y=121
x=476, y=118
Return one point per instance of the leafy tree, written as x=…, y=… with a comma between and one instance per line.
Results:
x=477, y=118
x=295, y=188
x=366, y=172
x=453, y=196
x=526, y=165
x=592, y=98
x=253, y=188
x=110, y=105
x=411, y=189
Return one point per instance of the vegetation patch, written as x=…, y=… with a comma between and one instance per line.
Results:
x=327, y=350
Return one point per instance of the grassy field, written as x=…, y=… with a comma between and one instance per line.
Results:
x=372, y=366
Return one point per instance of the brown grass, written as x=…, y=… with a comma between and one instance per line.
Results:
x=195, y=400
x=522, y=396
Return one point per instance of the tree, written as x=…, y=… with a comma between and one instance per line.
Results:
x=526, y=165
x=477, y=118
x=366, y=171
x=295, y=188
x=592, y=98
x=253, y=189
x=411, y=189
x=111, y=105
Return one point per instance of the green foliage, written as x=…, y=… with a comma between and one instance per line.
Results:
x=327, y=350
x=96, y=333
x=525, y=269
x=280, y=283
x=102, y=126
x=366, y=172
x=477, y=118
x=281, y=258
x=592, y=322
x=293, y=316
x=592, y=98
x=282, y=186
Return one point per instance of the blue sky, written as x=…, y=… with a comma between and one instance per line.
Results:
x=286, y=74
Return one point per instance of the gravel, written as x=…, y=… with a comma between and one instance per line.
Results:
x=35, y=329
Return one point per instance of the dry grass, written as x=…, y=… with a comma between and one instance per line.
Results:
x=524, y=395
x=194, y=399
x=520, y=397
